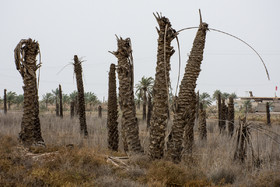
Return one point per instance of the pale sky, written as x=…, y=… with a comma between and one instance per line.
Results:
x=87, y=28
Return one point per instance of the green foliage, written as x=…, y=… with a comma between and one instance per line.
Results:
x=73, y=96
x=205, y=99
x=91, y=98
x=144, y=86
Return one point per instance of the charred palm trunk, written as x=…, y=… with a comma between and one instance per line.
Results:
x=185, y=113
x=144, y=104
x=81, y=100
x=126, y=95
x=161, y=88
x=72, y=110
x=60, y=102
x=150, y=108
x=25, y=59
x=112, y=115
x=230, y=116
x=202, y=123
x=99, y=111
x=5, y=101
x=268, y=114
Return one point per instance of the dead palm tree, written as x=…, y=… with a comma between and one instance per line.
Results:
x=150, y=109
x=144, y=87
x=112, y=114
x=126, y=95
x=161, y=87
x=202, y=123
x=5, y=101
x=230, y=116
x=26, y=63
x=60, y=102
x=268, y=114
x=81, y=97
x=100, y=111
x=185, y=113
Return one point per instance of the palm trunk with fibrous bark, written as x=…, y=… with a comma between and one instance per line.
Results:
x=60, y=102
x=150, y=108
x=130, y=128
x=81, y=97
x=5, y=101
x=144, y=105
x=161, y=88
x=202, y=123
x=26, y=63
x=112, y=114
x=185, y=113
x=230, y=117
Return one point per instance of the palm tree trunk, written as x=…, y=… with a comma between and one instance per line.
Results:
x=5, y=101
x=56, y=107
x=161, y=88
x=230, y=116
x=219, y=112
x=99, y=111
x=185, y=114
x=150, y=108
x=125, y=74
x=60, y=102
x=30, y=133
x=202, y=123
x=144, y=104
x=223, y=116
x=72, y=109
x=268, y=115
x=112, y=114
x=81, y=100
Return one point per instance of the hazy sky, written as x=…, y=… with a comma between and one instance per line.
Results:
x=87, y=28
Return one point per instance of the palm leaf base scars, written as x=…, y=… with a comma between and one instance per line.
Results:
x=187, y=98
x=161, y=88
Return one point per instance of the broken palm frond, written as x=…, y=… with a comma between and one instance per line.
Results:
x=81, y=101
x=130, y=128
x=216, y=30
x=25, y=55
x=243, y=138
x=112, y=114
x=161, y=87
x=118, y=162
x=187, y=98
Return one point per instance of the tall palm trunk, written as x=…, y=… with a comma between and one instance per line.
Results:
x=144, y=104
x=112, y=114
x=125, y=75
x=72, y=104
x=150, y=108
x=268, y=115
x=81, y=97
x=230, y=116
x=5, y=101
x=56, y=107
x=161, y=88
x=202, y=123
x=219, y=112
x=185, y=113
x=223, y=116
x=25, y=59
x=60, y=102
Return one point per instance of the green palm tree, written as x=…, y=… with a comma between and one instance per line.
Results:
x=215, y=94
x=19, y=99
x=205, y=99
x=48, y=98
x=144, y=87
x=90, y=98
x=11, y=96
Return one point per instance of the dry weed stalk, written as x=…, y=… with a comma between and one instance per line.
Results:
x=161, y=87
x=187, y=98
x=130, y=129
x=25, y=59
x=81, y=100
x=112, y=114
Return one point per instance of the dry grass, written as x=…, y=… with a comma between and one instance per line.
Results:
x=84, y=163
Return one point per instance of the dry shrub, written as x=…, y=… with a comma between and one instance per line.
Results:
x=263, y=179
x=223, y=176
x=168, y=173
